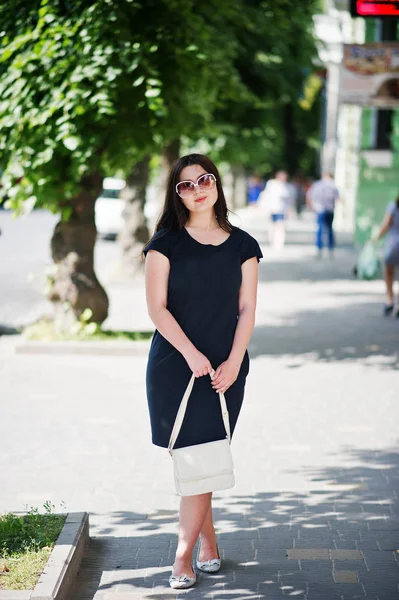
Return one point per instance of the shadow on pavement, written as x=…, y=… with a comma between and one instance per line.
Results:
x=352, y=332
x=7, y=330
x=345, y=526
x=307, y=268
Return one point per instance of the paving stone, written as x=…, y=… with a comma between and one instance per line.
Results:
x=324, y=594
x=350, y=591
x=384, y=540
x=309, y=554
x=342, y=554
x=313, y=468
x=132, y=595
x=370, y=544
x=272, y=591
x=376, y=510
x=383, y=595
x=324, y=542
x=345, y=576
x=317, y=532
x=388, y=542
x=376, y=559
x=344, y=525
x=342, y=544
x=277, y=533
x=384, y=525
x=351, y=535
x=382, y=590
x=351, y=565
x=387, y=578
x=294, y=574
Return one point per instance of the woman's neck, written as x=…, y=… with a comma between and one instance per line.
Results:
x=205, y=221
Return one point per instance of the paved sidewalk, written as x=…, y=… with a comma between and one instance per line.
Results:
x=315, y=512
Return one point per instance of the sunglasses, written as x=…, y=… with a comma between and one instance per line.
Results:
x=205, y=182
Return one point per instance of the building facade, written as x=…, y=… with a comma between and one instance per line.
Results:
x=360, y=143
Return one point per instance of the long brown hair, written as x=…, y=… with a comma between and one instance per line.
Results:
x=175, y=215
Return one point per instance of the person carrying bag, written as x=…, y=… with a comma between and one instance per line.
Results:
x=390, y=230
x=201, y=286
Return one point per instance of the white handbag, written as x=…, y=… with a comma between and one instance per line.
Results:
x=205, y=467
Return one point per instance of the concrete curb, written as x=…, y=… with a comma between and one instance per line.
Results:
x=140, y=348
x=58, y=577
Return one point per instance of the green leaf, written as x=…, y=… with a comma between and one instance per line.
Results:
x=86, y=315
x=71, y=142
x=152, y=93
x=138, y=81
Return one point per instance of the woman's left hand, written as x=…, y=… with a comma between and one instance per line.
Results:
x=225, y=376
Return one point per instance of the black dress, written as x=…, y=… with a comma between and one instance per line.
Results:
x=203, y=288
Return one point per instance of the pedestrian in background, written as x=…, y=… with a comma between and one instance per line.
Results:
x=274, y=201
x=255, y=188
x=390, y=228
x=321, y=198
x=201, y=282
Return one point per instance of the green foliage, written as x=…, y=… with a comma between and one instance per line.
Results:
x=30, y=532
x=61, y=80
x=276, y=53
x=47, y=331
x=94, y=85
x=26, y=542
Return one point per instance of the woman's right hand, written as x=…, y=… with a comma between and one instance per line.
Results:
x=198, y=363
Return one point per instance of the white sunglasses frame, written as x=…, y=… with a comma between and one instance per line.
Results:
x=196, y=185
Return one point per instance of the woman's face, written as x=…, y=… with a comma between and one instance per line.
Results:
x=199, y=200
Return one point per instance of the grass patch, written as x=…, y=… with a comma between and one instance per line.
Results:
x=26, y=542
x=45, y=331
x=23, y=571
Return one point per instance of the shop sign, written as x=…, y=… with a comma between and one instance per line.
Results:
x=377, y=8
x=370, y=75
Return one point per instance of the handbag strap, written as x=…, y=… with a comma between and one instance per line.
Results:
x=182, y=411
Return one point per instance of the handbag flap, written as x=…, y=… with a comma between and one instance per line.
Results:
x=203, y=461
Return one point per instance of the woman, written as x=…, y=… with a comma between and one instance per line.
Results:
x=201, y=283
x=390, y=226
x=275, y=201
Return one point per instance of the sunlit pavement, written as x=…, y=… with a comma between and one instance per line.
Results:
x=315, y=512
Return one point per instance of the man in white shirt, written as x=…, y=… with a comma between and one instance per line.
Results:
x=321, y=198
x=275, y=201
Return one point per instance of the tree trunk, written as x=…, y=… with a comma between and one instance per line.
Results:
x=170, y=154
x=239, y=187
x=293, y=146
x=135, y=232
x=74, y=286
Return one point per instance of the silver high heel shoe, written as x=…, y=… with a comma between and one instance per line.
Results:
x=209, y=566
x=183, y=582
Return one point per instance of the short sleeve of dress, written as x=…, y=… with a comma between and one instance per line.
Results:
x=250, y=249
x=391, y=209
x=160, y=242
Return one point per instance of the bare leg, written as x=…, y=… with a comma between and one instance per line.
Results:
x=389, y=275
x=396, y=272
x=208, y=548
x=193, y=511
x=271, y=233
x=279, y=236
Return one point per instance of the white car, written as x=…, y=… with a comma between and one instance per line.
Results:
x=109, y=208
